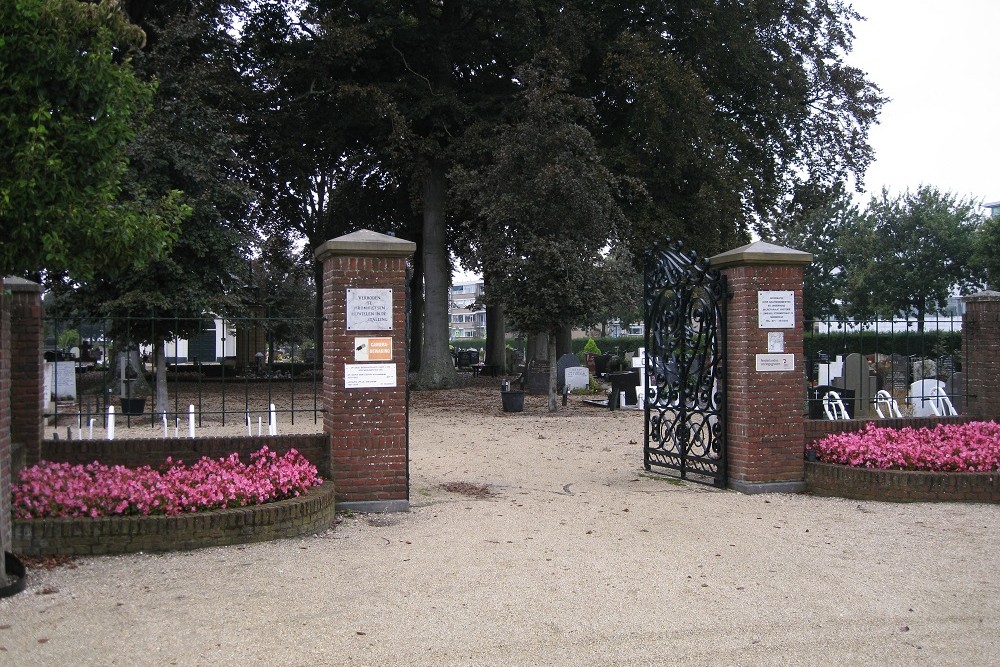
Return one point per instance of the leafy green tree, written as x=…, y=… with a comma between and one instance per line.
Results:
x=544, y=166
x=191, y=144
x=709, y=114
x=910, y=253
x=986, y=256
x=820, y=220
x=71, y=106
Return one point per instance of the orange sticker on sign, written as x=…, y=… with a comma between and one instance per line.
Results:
x=373, y=349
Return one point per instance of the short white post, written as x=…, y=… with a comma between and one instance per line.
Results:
x=190, y=421
x=164, y=424
x=259, y=427
x=273, y=427
x=91, y=435
x=249, y=430
x=111, y=422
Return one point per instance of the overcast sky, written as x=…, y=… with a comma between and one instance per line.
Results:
x=939, y=62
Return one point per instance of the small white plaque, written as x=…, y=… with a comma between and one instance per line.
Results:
x=775, y=362
x=369, y=309
x=775, y=341
x=776, y=309
x=361, y=376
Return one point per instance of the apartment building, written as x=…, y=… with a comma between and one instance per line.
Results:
x=467, y=318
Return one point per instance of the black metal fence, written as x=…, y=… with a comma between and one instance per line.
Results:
x=223, y=371
x=917, y=367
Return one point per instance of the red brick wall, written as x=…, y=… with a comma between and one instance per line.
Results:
x=902, y=486
x=5, y=462
x=764, y=408
x=981, y=352
x=368, y=427
x=26, y=367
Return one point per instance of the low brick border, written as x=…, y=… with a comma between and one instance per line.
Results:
x=902, y=486
x=310, y=513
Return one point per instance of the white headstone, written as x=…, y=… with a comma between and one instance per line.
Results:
x=60, y=380
x=577, y=377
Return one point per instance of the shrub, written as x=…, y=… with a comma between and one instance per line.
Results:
x=58, y=490
x=971, y=447
x=591, y=347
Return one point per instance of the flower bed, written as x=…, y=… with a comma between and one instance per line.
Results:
x=62, y=490
x=947, y=462
x=969, y=447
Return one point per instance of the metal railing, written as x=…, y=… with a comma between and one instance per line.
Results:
x=914, y=365
x=227, y=371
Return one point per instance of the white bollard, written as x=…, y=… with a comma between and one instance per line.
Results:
x=165, y=432
x=177, y=427
x=190, y=421
x=259, y=427
x=249, y=430
x=111, y=422
x=91, y=435
x=272, y=429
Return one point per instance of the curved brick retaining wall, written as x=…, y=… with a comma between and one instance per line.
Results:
x=827, y=479
x=310, y=513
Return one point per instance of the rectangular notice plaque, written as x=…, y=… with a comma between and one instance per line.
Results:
x=373, y=349
x=369, y=309
x=775, y=362
x=361, y=376
x=776, y=309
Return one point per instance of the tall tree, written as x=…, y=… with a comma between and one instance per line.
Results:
x=544, y=166
x=716, y=111
x=911, y=252
x=72, y=103
x=192, y=143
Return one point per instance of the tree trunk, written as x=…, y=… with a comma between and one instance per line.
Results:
x=436, y=368
x=537, y=347
x=564, y=341
x=496, y=335
x=416, y=341
x=553, y=379
x=318, y=311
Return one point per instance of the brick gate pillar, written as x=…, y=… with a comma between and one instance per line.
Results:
x=27, y=370
x=365, y=369
x=765, y=391
x=981, y=354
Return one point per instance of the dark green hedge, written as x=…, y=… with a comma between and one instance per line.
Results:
x=928, y=344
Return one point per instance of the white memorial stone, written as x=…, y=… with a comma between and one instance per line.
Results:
x=577, y=377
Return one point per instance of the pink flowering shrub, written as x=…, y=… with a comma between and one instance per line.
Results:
x=972, y=447
x=52, y=490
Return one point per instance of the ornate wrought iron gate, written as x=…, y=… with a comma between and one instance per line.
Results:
x=685, y=402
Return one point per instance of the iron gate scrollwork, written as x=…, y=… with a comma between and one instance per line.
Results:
x=685, y=406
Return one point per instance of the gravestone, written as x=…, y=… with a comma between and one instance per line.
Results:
x=954, y=386
x=946, y=367
x=60, y=380
x=577, y=377
x=924, y=369
x=858, y=378
x=565, y=362
x=896, y=375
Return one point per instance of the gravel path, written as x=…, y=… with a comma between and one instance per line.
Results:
x=539, y=540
